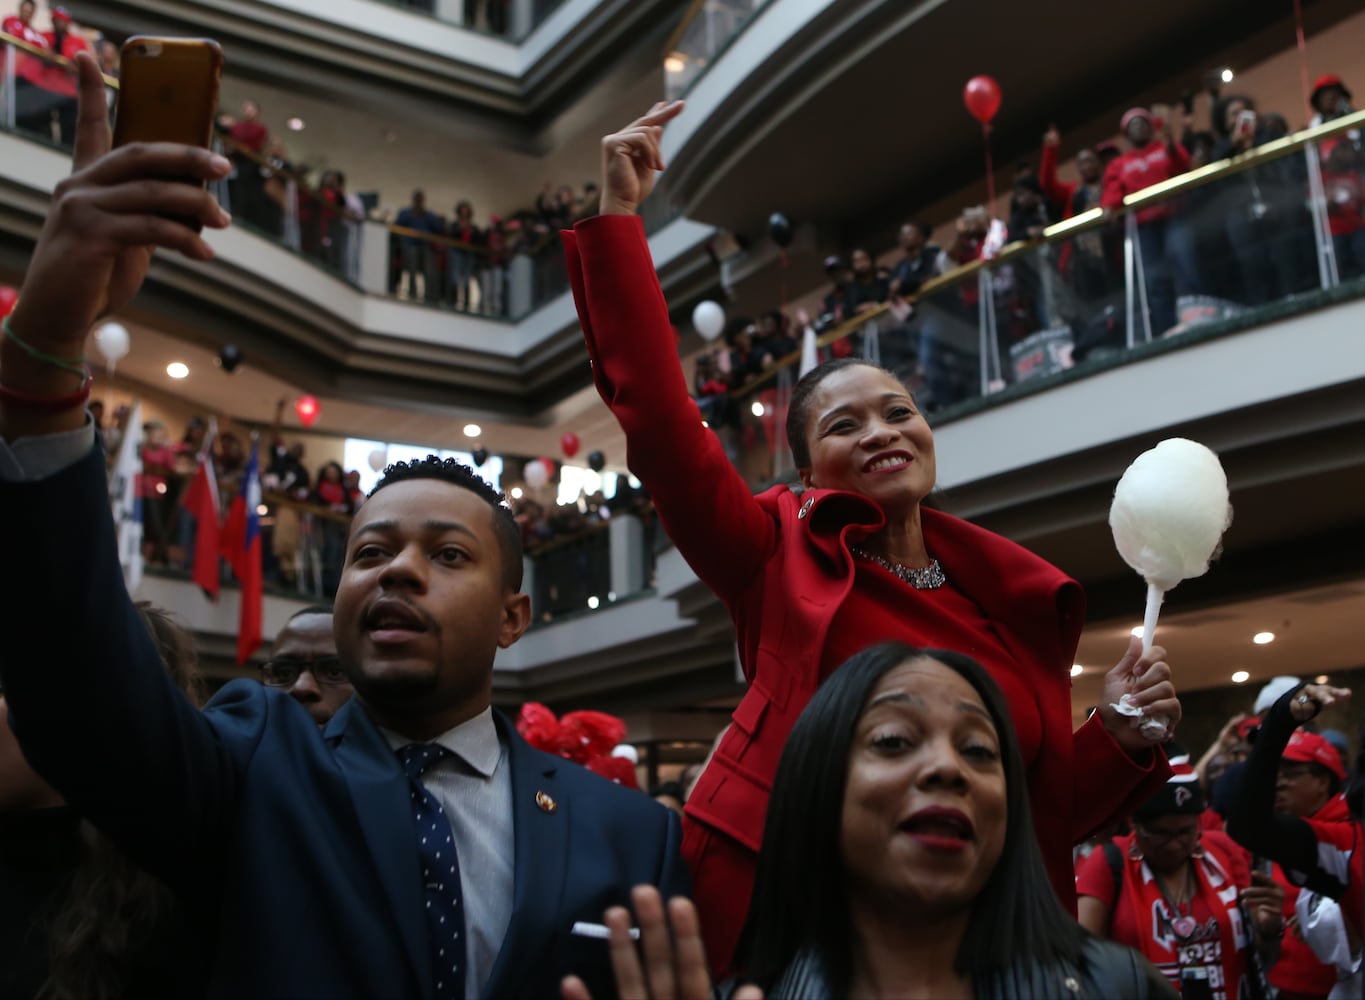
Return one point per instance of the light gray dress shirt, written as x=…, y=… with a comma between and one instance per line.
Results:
x=473, y=784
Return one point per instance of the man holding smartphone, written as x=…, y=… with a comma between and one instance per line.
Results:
x=319, y=863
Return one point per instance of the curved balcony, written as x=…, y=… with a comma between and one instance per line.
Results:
x=314, y=300
x=865, y=96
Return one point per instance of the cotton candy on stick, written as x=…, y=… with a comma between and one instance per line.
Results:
x=1169, y=513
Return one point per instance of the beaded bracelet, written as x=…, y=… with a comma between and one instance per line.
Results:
x=75, y=366
x=14, y=399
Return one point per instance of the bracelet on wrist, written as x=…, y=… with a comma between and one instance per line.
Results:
x=14, y=399
x=76, y=366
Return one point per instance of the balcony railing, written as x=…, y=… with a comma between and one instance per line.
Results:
x=706, y=30
x=1271, y=232
x=512, y=20
x=511, y=269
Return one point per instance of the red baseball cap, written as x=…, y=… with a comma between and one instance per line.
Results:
x=1310, y=748
x=1328, y=80
x=60, y=14
x=1133, y=113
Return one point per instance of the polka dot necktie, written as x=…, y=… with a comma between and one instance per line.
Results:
x=440, y=874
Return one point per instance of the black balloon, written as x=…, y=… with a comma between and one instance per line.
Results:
x=597, y=461
x=480, y=456
x=780, y=229
x=229, y=357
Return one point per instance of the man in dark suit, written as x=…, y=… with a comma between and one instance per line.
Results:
x=301, y=854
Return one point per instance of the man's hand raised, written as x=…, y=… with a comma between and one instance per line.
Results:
x=103, y=223
x=631, y=157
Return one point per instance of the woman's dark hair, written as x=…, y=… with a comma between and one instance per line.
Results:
x=1219, y=113
x=800, y=898
x=114, y=916
x=798, y=411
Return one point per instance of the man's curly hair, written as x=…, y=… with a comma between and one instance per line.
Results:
x=457, y=474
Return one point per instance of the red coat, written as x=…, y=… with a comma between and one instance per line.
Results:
x=780, y=562
x=1141, y=168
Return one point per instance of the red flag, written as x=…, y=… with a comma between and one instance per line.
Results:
x=241, y=547
x=201, y=502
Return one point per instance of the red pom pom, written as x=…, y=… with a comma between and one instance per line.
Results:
x=539, y=727
x=585, y=735
x=616, y=769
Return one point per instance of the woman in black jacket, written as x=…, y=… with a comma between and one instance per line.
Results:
x=898, y=859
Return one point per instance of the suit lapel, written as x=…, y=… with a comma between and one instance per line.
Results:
x=541, y=818
x=381, y=796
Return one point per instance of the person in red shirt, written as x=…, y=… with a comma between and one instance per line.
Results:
x=1288, y=807
x=61, y=79
x=32, y=104
x=811, y=577
x=1177, y=893
x=463, y=260
x=1168, y=258
x=1343, y=181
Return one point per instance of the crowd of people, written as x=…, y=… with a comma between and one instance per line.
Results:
x=45, y=88
x=1246, y=241
x=892, y=810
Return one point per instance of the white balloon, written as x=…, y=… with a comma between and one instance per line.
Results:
x=709, y=319
x=1170, y=511
x=112, y=340
x=378, y=458
x=535, y=474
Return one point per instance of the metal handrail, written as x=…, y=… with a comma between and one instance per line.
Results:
x=1089, y=219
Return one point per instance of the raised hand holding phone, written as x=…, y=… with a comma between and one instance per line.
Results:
x=102, y=225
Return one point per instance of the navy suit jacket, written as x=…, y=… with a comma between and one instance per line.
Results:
x=293, y=849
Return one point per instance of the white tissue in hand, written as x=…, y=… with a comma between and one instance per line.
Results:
x=1126, y=707
x=1169, y=512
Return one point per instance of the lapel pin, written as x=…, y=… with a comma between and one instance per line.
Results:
x=547, y=804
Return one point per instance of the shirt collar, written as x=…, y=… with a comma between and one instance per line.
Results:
x=474, y=741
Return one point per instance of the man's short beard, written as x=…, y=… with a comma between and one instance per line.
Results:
x=397, y=689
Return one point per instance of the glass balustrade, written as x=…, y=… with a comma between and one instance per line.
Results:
x=512, y=20
x=707, y=28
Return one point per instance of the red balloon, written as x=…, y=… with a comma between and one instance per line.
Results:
x=549, y=464
x=8, y=298
x=982, y=97
x=569, y=444
x=308, y=408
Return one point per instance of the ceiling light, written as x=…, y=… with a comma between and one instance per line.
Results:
x=757, y=409
x=1320, y=679
x=516, y=492
x=1077, y=670
x=675, y=63
x=295, y=125
x=1136, y=630
x=1262, y=638
x=472, y=430
x=1227, y=75
x=593, y=602
x=1241, y=677
x=178, y=369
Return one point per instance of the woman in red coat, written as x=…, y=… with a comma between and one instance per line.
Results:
x=852, y=559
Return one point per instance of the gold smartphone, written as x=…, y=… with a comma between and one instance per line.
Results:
x=168, y=92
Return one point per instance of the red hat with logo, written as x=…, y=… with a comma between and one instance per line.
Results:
x=1310, y=748
x=1326, y=81
x=60, y=15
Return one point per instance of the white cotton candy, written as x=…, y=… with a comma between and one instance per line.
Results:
x=1170, y=511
